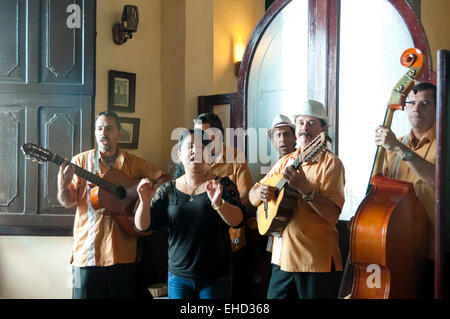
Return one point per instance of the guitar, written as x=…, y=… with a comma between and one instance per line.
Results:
x=115, y=192
x=274, y=215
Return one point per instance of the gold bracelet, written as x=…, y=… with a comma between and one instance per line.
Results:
x=217, y=207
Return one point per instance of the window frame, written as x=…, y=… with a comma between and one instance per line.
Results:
x=324, y=36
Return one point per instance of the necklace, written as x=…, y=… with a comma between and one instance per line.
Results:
x=194, y=189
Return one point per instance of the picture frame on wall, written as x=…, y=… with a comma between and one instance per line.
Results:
x=121, y=91
x=130, y=132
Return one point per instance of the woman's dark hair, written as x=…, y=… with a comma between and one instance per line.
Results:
x=179, y=168
x=198, y=133
x=179, y=171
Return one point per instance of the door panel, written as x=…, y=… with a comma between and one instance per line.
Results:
x=12, y=42
x=60, y=133
x=11, y=174
x=61, y=61
x=47, y=85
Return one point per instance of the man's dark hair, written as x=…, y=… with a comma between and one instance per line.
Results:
x=110, y=114
x=425, y=86
x=212, y=119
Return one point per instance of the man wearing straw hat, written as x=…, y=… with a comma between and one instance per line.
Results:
x=306, y=257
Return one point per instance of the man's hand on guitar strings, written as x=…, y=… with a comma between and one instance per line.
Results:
x=65, y=174
x=266, y=192
x=297, y=179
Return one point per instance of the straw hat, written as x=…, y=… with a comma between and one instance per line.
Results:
x=279, y=121
x=313, y=108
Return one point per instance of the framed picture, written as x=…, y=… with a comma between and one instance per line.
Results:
x=228, y=108
x=121, y=91
x=130, y=132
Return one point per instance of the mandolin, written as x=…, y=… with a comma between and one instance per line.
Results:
x=114, y=192
x=274, y=215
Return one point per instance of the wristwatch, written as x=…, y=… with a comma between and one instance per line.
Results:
x=309, y=197
x=407, y=155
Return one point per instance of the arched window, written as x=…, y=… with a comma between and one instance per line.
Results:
x=343, y=53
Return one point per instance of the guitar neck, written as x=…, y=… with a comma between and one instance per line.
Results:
x=90, y=177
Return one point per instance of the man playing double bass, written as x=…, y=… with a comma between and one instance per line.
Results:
x=412, y=158
x=306, y=257
x=103, y=255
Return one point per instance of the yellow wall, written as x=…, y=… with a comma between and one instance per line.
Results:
x=140, y=55
x=437, y=25
x=234, y=22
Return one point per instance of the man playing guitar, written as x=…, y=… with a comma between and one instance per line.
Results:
x=306, y=256
x=104, y=255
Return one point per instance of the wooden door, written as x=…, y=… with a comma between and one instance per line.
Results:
x=47, y=87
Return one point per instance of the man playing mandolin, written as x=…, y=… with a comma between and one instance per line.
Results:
x=412, y=158
x=306, y=257
x=103, y=255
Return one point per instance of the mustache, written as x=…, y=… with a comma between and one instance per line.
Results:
x=304, y=134
x=104, y=138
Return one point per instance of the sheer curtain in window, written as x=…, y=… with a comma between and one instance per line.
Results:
x=372, y=38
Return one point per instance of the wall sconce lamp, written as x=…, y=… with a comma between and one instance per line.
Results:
x=238, y=54
x=130, y=20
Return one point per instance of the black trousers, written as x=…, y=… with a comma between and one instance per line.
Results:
x=111, y=282
x=303, y=285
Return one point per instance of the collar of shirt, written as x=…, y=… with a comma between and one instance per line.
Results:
x=430, y=136
x=120, y=159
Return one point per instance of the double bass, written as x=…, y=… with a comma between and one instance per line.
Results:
x=389, y=232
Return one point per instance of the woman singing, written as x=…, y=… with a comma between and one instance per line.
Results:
x=198, y=208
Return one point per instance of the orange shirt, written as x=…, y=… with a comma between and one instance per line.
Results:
x=426, y=149
x=233, y=166
x=231, y=163
x=309, y=243
x=98, y=239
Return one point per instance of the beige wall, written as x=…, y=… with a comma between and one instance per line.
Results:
x=140, y=55
x=436, y=23
x=35, y=267
x=234, y=22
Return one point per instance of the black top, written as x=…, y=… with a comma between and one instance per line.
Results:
x=199, y=241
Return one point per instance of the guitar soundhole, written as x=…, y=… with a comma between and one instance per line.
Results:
x=121, y=192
